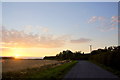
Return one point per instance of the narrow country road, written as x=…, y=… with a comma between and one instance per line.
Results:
x=86, y=70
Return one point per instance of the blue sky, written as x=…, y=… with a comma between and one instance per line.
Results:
x=56, y=15
x=75, y=25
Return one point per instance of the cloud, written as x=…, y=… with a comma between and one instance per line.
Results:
x=101, y=18
x=28, y=28
x=105, y=24
x=96, y=18
x=92, y=19
x=15, y=38
x=44, y=29
x=39, y=29
x=107, y=28
x=81, y=40
x=115, y=19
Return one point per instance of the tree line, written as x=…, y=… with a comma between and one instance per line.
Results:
x=108, y=56
x=69, y=55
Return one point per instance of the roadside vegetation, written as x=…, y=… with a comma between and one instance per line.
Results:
x=107, y=58
x=48, y=72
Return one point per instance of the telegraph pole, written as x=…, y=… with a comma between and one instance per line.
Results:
x=90, y=48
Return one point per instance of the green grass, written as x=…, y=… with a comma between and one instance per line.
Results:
x=55, y=73
x=49, y=72
x=114, y=71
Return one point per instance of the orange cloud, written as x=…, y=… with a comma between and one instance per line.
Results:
x=14, y=38
x=115, y=19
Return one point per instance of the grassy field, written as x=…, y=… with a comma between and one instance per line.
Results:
x=16, y=65
x=47, y=72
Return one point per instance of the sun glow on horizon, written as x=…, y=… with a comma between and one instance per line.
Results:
x=17, y=56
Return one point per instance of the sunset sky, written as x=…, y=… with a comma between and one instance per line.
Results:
x=41, y=29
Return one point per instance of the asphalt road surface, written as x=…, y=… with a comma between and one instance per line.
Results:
x=86, y=70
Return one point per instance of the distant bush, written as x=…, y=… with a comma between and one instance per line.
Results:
x=7, y=58
x=69, y=55
x=50, y=57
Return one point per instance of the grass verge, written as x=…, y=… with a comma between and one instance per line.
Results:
x=56, y=73
x=44, y=73
x=114, y=71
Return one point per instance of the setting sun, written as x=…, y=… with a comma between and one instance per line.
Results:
x=17, y=56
